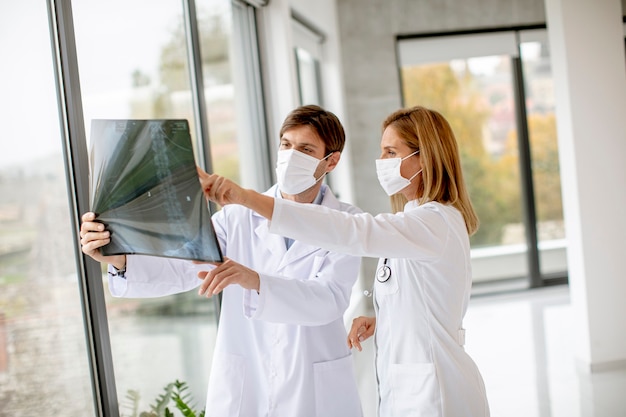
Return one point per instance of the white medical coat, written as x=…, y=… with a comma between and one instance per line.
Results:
x=421, y=365
x=281, y=352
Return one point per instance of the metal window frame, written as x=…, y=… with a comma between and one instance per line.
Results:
x=529, y=208
x=75, y=156
x=257, y=3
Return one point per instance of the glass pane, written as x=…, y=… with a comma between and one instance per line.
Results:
x=215, y=28
x=308, y=77
x=138, y=68
x=44, y=365
x=476, y=96
x=541, y=113
x=249, y=148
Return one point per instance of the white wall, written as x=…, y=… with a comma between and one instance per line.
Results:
x=322, y=14
x=280, y=80
x=589, y=66
x=279, y=71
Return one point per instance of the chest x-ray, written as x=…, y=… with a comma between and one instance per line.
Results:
x=144, y=187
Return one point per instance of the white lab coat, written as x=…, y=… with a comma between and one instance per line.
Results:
x=281, y=352
x=421, y=365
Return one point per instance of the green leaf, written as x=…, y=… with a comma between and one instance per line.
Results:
x=162, y=400
x=181, y=398
x=176, y=391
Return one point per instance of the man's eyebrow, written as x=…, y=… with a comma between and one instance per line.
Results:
x=301, y=144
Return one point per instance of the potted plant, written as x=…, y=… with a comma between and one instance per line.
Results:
x=174, y=391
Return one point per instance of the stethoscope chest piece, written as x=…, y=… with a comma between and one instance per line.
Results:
x=384, y=272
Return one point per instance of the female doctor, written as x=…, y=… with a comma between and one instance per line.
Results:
x=423, y=281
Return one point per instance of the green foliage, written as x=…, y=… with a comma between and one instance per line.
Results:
x=182, y=398
x=214, y=45
x=176, y=391
x=159, y=407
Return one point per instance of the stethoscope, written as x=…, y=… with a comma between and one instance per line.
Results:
x=384, y=272
x=382, y=275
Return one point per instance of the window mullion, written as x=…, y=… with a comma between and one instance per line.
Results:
x=77, y=173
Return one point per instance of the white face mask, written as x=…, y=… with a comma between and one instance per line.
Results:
x=388, y=171
x=295, y=171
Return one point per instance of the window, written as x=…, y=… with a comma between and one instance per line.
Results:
x=44, y=365
x=112, y=60
x=473, y=80
x=141, y=70
x=308, y=54
x=252, y=136
x=546, y=177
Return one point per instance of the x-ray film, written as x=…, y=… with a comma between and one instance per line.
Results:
x=144, y=187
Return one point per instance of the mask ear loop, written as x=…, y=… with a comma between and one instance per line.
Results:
x=408, y=156
x=320, y=178
x=325, y=172
x=418, y=172
x=326, y=157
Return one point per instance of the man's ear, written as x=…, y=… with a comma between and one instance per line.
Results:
x=333, y=160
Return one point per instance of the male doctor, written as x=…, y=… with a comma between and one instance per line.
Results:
x=281, y=342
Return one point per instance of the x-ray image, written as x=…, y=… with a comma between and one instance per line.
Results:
x=144, y=187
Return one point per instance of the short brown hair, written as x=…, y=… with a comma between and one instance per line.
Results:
x=325, y=123
x=429, y=132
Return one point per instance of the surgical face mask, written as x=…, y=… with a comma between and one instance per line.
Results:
x=295, y=171
x=388, y=171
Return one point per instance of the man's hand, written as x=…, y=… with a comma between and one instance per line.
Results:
x=362, y=329
x=227, y=273
x=93, y=236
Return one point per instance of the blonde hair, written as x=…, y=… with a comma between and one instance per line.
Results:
x=442, y=178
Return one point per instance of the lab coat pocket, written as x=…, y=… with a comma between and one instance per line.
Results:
x=415, y=391
x=336, y=394
x=226, y=383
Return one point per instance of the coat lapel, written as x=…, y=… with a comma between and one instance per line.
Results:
x=298, y=250
x=273, y=242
